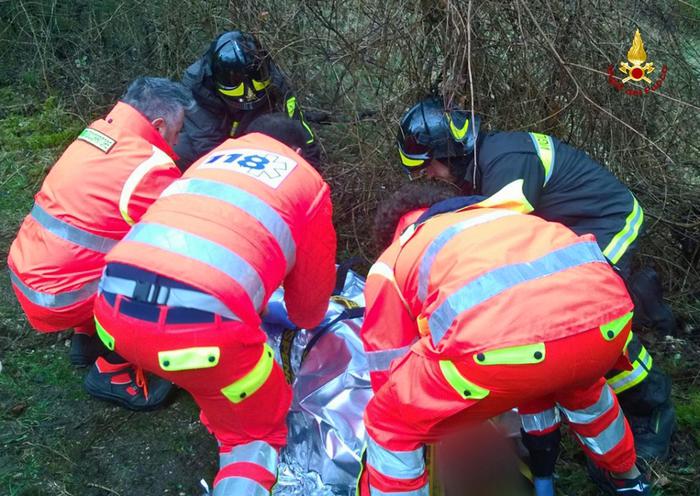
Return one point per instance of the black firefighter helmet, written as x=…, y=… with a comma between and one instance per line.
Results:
x=240, y=69
x=428, y=131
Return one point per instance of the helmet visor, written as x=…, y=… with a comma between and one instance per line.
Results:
x=232, y=76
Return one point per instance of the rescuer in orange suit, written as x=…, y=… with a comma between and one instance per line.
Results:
x=183, y=292
x=475, y=308
x=102, y=184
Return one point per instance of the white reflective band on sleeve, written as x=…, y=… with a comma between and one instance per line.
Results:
x=395, y=464
x=249, y=203
x=195, y=247
x=443, y=238
x=257, y=452
x=498, y=280
x=593, y=412
x=379, y=361
x=538, y=422
x=70, y=233
x=383, y=270
x=55, y=300
x=159, y=157
x=423, y=491
x=231, y=486
x=608, y=439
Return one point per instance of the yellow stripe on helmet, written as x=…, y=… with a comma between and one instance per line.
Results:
x=260, y=85
x=410, y=162
x=235, y=91
x=457, y=132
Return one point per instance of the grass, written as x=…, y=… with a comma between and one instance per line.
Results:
x=56, y=440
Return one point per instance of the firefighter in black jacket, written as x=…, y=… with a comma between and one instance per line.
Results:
x=562, y=184
x=234, y=82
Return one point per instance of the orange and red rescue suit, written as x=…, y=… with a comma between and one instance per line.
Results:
x=474, y=312
x=101, y=185
x=183, y=292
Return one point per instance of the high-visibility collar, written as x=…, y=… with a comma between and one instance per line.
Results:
x=123, y=114
x=510, y=197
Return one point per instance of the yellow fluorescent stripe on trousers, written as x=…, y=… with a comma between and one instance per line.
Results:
x=159, y=157
x=514, y=355
x=248, y=384
x=465, y=388
x=104, y=336
x=199, y=357
x=612, y=329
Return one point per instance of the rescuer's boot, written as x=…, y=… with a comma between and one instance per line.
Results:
x=639, y=486
x=652, y=433
x=84, y=349
x=126, y=385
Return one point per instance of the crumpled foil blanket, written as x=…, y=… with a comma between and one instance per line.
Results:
x=331, y=389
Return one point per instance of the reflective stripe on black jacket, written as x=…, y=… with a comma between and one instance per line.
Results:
x=573, y=189
x=211, y=122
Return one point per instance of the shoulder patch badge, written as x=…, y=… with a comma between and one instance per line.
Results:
x=267, y=167
x=97, y=139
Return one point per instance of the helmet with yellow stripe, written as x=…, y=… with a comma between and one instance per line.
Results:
x=240, y=69
x=429, y=131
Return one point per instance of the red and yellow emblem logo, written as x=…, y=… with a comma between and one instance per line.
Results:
x=636, y=69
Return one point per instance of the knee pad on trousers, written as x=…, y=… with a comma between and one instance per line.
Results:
x=544, y=451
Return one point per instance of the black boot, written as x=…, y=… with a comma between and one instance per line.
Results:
x=652, y=433
x=85, y=349
x=127, y=385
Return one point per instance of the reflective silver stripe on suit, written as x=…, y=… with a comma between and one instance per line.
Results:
x=239, y=486
x=396, y=464
x=55, y=300
x=379, y=361
x=440, y=241
x=71, y=233
x=251, y=204
x=202, y=250
x=593, y=412
x=423, y=491
x=538, y=422
x=503, y=278
x=608, y=439
x=257, y=452
x=173, y=297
